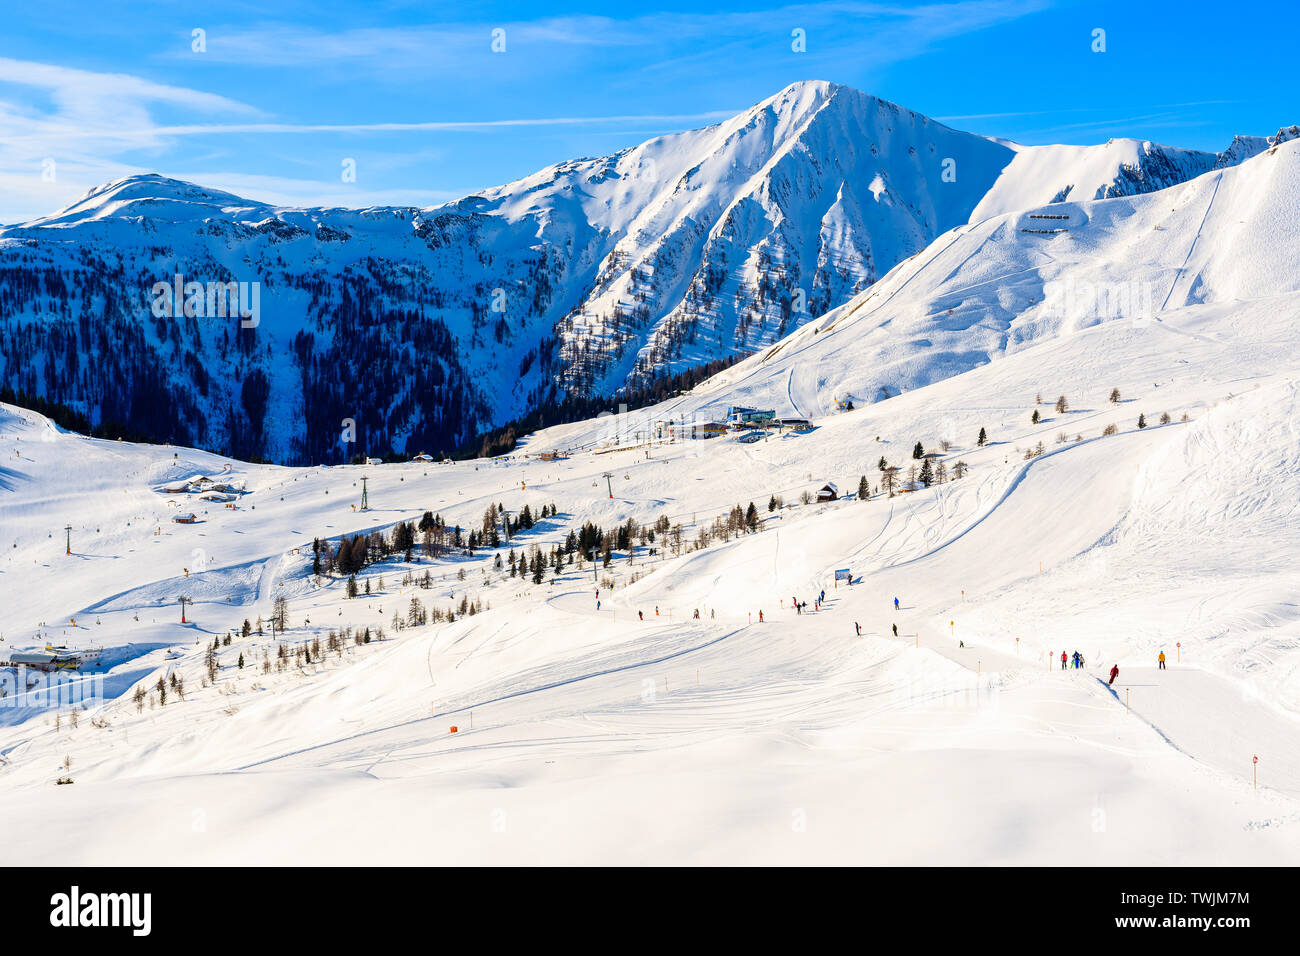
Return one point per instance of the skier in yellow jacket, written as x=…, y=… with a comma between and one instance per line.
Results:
x=1162, y=660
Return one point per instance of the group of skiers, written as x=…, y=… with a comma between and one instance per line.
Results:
x=1074, y=660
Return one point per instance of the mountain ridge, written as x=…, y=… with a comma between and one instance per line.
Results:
x=416, y=327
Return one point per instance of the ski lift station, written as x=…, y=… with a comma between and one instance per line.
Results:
x=749, y=417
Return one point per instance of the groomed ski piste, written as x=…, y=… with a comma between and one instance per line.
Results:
x=631, y=732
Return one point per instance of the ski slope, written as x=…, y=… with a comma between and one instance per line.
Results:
x=632, y=731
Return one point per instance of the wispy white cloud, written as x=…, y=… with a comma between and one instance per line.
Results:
x=207, y=129
x=84, y=93
x=897, y=31
x=63, y=129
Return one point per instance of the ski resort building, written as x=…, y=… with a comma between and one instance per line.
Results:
x=50, y=659
x=828, y=492
x=750, y=417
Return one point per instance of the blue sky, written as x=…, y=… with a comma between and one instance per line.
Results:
x=282, y=93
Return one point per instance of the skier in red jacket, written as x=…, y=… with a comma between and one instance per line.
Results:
x=1063, y=660
x=1114, y=672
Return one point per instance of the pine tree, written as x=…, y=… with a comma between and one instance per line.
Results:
x=918, y=452
x=1142, y=421
x=1034, y=418
x=984, y=437
x=927, y=473
x=241, y=660
x=1114, y=396
x=771, y=503
x=1062, y=406
x=864, y=488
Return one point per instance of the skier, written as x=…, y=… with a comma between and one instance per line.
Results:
x=895, y=627
x=1114, y=672
x=821, y=598
x=697, y=614
x=640, y=615
x=858, y=628
x=1162, y=660
x=656, y=610
x=597, y=606
x=1064, y=658
x=760, y=617
x=895, y=604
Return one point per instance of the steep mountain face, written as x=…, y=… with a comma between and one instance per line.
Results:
x=405, y=329
x=1219, y=255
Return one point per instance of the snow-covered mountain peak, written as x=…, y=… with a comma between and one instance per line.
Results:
x=151, y=196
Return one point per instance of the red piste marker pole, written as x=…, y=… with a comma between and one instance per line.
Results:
x=1254, y=762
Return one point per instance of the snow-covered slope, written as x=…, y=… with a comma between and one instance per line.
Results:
x=1120, y=167
x=633, y=732
x=414, y=328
